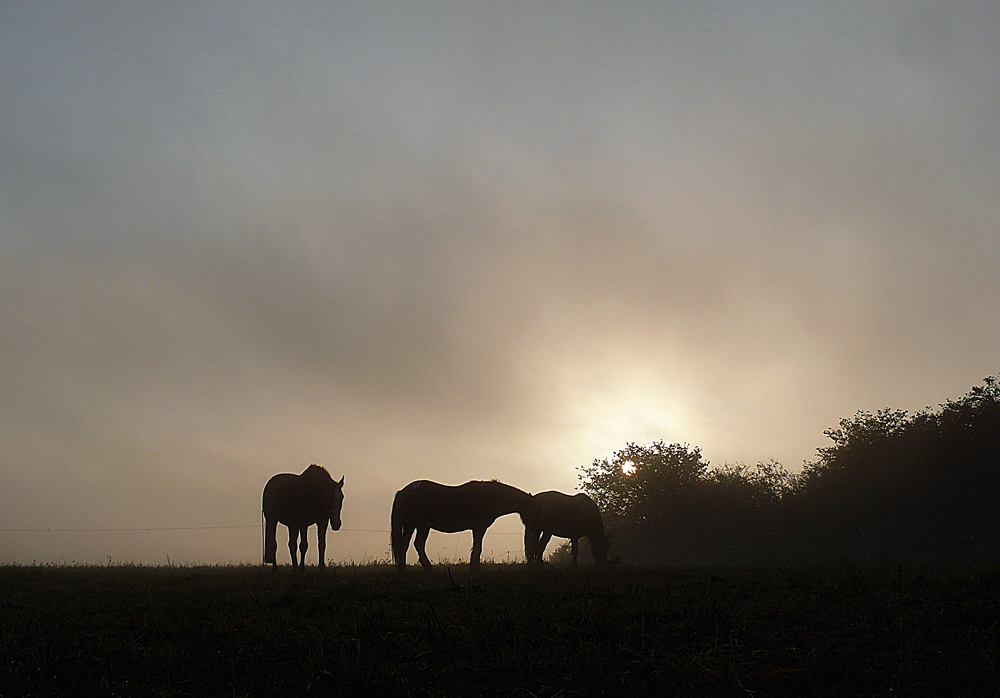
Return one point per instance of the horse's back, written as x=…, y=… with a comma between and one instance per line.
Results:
x=413, y=498
x=428, y=490
x=291, y=500
x=565, y=515
x=427, y=503
x=564, y=503
x=450, y=508
x=418, y=493
x=276, y=490
x=418, y=487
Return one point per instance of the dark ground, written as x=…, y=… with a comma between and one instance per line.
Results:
x=176, y=631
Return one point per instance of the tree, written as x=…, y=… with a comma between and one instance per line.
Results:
x=745, y=489
x=639, y=481
x=891, y=484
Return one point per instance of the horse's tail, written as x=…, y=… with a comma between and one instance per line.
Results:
x=269, y=532
x=396, y=533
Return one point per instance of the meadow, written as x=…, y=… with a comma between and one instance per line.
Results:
x=509, y=631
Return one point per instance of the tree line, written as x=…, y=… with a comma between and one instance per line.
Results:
x=891, y=486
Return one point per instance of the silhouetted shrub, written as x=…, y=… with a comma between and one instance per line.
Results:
x=890, y=486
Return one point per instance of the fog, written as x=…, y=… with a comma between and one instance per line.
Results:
x=464, y=243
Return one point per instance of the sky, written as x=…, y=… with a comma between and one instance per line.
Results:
x=449, y=241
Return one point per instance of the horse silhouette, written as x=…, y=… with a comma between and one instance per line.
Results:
x=298, y=502
x=475, y=505
x=565, y=516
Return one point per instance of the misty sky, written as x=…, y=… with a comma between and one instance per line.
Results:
x=420, y=240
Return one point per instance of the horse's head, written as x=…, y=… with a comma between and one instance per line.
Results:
x=336, y=502
x=599, y=549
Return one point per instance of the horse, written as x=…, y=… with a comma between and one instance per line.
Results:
x=423, y=505
x=565, y=516
x=298, y=502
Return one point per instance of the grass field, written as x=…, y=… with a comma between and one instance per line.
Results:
x=175, y=631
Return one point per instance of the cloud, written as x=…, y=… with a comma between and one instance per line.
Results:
x=466, y=244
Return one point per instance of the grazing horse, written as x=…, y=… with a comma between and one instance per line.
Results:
x=299, y=501
x=423, y=505
x=565, y=516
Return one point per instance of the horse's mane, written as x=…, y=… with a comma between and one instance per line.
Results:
x=316, y=471
x=494, y=481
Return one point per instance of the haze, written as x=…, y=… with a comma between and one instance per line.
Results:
x=456, y=242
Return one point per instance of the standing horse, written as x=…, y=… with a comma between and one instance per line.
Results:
x=423, y=505
x=557, y=514
x=298, y=502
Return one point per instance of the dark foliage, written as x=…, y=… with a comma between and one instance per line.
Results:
x=663, y=504
x=922, y=486
x=890, y=486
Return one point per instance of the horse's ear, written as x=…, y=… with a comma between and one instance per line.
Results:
x=341, y=483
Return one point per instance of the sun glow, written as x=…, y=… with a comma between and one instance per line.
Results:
x=611, y=396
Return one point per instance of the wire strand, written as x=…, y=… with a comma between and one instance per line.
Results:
x=196, y=528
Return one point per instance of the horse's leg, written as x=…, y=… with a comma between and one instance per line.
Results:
x=574, y=548
x=477, y=548
x=401, y=546
x=303, y=546
x=531, y=537
x=543, y=540
x=293, y=538
x=321, y=543
x=271, y=541
x=419, y=542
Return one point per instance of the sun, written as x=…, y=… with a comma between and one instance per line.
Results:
x=628, y=468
